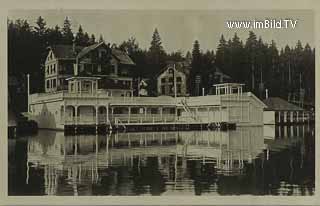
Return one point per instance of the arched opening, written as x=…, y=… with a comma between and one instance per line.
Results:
x=70, y=113
x=86, y=115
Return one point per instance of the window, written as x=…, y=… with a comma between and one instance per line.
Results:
x=113, y=69
x=178, y=88
x=95, y=68
x=163, y=80
x=71, y=87
x=48, y=84
x=171, y=79
x=178, y=79
x=54, y=83
x=103, y=54
x=163, y=89
x=154, y=110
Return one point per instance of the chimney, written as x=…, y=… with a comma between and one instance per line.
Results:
x=267, y=95
x=74, y=45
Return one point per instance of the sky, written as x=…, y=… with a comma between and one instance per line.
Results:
x=178, y=29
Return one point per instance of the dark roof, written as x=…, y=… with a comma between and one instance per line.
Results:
x=87, y=49
x=278, y=104
x=66, y=52
x=220, y=73
x=179, y=66
x=122, y=57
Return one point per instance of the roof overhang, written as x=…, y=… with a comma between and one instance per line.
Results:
x=83, y=78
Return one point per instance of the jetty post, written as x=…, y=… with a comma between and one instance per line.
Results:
x=28, y=90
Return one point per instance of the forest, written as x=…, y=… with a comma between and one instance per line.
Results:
x=260, y=65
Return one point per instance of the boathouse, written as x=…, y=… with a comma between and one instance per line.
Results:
x=279, y=111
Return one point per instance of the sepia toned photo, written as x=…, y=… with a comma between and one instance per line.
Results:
x=161, y=102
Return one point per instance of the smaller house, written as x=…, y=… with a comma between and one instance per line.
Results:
x=220, y=77
x=173, y=80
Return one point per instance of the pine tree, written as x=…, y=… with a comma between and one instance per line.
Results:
x=92, y=39
x=130, y=46
x=237, y=56
x=86, y=39
x=79, y=40
x=156, y=53
x=156, y=46
x=55, y=36
x=101, y=38
x=67, y=32
x=251, y=46
x=196, y=68
x=40, y=26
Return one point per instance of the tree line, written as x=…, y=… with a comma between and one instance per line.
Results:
x=259, y=65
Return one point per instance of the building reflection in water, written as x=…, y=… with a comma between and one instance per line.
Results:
x=166, y=163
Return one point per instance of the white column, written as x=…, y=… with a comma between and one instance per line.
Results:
x=291, y=116
x=64, y=113
x=129, y=112
x=285, y=116
x=279, y=116
x=80, y=86
x=145, y=112
x=76, y=114
x=91, y=87
x=107, y=121
x=97, y=120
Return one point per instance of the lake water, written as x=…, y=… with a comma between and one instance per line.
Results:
x=249, y=160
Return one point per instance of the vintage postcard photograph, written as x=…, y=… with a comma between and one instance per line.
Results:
x=161, y=103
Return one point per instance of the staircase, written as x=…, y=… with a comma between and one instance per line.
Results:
x=186, y=108
x=118, y=123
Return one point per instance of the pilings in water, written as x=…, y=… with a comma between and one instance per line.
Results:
x=293, y=117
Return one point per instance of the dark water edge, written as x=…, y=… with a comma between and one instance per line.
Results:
x=172, y=163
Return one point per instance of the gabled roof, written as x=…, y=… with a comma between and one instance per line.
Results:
x=64, y=51
x=179, y=66
x=278, y=104
x=220, y=73
x=87, y=49
x=122, y=57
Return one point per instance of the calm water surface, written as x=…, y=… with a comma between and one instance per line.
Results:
x=250, y=160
